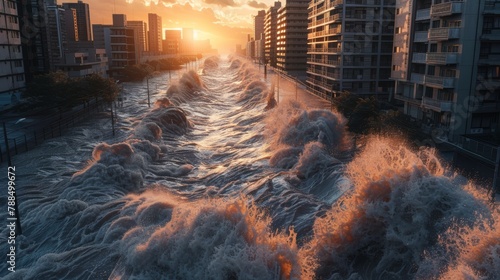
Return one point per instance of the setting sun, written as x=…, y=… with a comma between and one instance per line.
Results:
x=224, y=22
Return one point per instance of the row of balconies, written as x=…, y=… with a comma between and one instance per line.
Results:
x=324, y=50
x=331, y=31
x=427, y=102
x=324, y=61
x=446, y=9
x=325, y=20
x=5, y=55
x=492, y=7
x=318, y=83
x=436, y=58
x=9, y=25
x=434, y=81
x=437, y=34
x=314, y=11
x=324, y=73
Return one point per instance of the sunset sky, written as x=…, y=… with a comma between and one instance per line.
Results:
x=225, y=22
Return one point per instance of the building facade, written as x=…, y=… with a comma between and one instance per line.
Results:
x=259, y=25
x=172, y=43
x=270, y=30
x=291, y=45
x=34, y=37
x=350, y=46
x=81, y=64
x=141, y=38
x=447, y=64
x=83, y=19
x=56, y=34
x=120, y=44
x=155, y=33
x=12, y=80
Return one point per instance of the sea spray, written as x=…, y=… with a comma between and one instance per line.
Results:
x=398, y=209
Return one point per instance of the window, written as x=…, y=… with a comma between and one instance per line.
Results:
x=11, y=5
x=19, y=78
x=18, y=63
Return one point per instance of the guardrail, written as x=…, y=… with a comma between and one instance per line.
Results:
x=50, y=127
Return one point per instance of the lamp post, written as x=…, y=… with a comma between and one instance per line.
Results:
x=147, y=83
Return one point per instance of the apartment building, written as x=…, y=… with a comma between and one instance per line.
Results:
x=82, y=11
x=141, y=38
x=446, y=64
x=270, y=31
x=155, y=33
x=350, y=46
x=172, y=42
x=120, y=44
x=291, y=45
x=11, y=59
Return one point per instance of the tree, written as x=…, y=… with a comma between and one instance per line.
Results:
x=137, y=72
x=365, y=116
x=345, y=103
x=49, y=90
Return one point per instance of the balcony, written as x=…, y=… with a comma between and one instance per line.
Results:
x=418, y=58
x=442, y=58
x=323, y=50
x=443, y=33
x=407, y=98
x=398, y=75
x=439, y=82
x=324, y=61
x=421, y=36
x=446, y=9
x=417, y=78
x=491, y=35
x=491, y=7
x=436, y=105
x=423, y=14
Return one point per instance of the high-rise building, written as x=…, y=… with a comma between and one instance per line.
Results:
x=83, y=19
x=446, y=64
x=99, y=37
x=291, y=45
x=350, y=46
x=172, y=41
x=155, y=33
x=270, y=30
x=140, y=34
x=11, y=60
x=34, y=40
x=259, y=25
x=56, y=34
x=71, y=23
x=120, y=43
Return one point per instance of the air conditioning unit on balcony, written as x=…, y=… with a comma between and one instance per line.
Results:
x=476, y=130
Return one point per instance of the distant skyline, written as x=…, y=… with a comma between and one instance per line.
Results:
x=225, y=22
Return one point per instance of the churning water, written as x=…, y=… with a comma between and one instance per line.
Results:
x=217, y=182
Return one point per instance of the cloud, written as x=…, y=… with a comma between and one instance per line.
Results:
x=222, y=3
x=257, y=5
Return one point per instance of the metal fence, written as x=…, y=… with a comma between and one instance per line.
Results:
x=50, y=127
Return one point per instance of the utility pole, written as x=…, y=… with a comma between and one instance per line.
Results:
x=147, y=83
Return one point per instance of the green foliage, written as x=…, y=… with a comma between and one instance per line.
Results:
x=48, y=89
x=56, y=89
x=345, y=103
x=365, y=116
x=137, y=72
